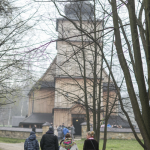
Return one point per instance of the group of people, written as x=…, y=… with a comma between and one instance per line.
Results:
x=111, y=126
x=62, y=131
x=49, y=141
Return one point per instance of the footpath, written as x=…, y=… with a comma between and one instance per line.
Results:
x=11, y=146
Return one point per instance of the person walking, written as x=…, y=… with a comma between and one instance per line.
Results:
x=90, y=143
x=72, y=128
x=49, y=141
x=59, y=130
x=68, y=144
x=31, y=143
x=34, y=128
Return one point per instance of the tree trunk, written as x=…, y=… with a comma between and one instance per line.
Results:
x=130, y=88
x=95, y=75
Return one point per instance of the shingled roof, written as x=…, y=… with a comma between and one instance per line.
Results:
x=38, y=118
x=111, y=87
x=117, y=120
x=44, y=84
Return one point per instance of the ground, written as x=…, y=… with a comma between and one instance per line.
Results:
x=11, y=146
x=16, y=144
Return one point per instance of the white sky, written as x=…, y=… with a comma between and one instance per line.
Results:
x=44, y=32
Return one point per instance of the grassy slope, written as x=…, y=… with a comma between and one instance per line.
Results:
x=116, y=145
x=111, y=144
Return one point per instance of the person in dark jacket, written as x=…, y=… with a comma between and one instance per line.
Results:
x=34, y=128
x=31, y=143
x=90, y=143
x=49, y=141
x=72, y=131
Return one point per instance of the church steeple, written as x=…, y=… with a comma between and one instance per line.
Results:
x=79, y=9
x=72, y=40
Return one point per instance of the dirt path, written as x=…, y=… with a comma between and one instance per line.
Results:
x=14, y=146
x=11, y=146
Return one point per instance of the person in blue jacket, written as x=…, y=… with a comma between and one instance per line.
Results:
x=31, y=143
x=109, y=126
x=65, y=131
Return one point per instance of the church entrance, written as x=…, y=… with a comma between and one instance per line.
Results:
x=77, y=120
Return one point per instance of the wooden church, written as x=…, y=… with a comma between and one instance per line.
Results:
x=58, y=96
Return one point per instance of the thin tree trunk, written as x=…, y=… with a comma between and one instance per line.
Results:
x=147, y=22
x=99, y=102
x=95, y=74
x=85, y=79
x=107, y=102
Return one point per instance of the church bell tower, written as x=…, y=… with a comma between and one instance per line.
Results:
x=71, y=44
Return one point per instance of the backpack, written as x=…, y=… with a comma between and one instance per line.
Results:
x=31, y=144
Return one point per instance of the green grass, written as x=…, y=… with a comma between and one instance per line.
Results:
x=9, y=140
x=111, y=144
x=5, y=125
x=115, y=145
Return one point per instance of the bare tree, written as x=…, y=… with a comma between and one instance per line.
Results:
x=141, y=116
x=13, y=56
x=17, y=58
